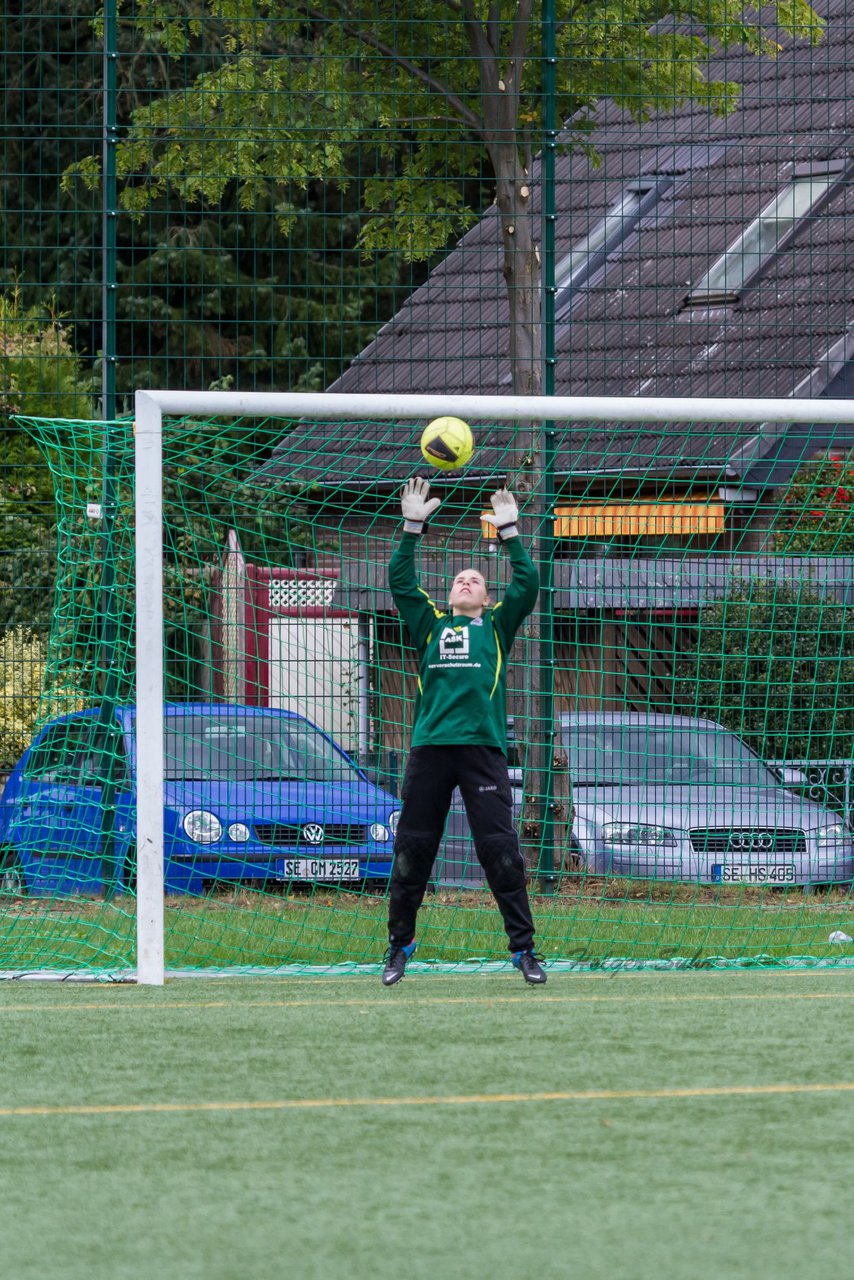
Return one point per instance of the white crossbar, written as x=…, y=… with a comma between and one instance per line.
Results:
x=318, y=404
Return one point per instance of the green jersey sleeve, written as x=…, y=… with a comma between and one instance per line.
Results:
x=414, y=605
x=521, y=594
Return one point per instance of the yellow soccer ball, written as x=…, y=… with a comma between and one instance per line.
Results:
x=447, y=443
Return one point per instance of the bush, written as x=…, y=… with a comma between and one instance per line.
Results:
x=774, y=662
x=816, y=516
x=28, y=697
x=40, y=372
x=27, y=571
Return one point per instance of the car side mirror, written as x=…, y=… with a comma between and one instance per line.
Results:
x=792, y=777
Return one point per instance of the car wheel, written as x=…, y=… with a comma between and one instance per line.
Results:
x=376, y=884
x=12, y=882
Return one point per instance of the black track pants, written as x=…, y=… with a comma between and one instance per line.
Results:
x=431, y=775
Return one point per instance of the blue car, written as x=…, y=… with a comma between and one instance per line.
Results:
x=253, y=796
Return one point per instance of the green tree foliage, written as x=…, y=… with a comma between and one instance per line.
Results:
x=301, y=90
x=227, y=301
x=27, y=568
x=205, y=296
x=205, y=292
x=774, y=662
x=39, y=369
x=816, y=516
x=40, y=372
x=50, y=65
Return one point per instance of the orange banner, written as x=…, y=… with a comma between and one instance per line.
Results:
x=632, y=520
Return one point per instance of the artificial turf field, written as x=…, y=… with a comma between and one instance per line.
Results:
x=639, y=1125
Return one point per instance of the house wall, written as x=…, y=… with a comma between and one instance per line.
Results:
x=601, y=663
x=456, y=533
x=622, y=623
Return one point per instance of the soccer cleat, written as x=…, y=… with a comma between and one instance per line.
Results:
x=395, y=963
x=529, y=967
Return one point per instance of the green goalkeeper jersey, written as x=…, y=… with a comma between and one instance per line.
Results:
x=462, y=677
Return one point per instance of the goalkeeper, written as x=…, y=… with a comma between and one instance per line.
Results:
x=460, y=734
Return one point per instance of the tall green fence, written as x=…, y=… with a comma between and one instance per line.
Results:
x=264, y=197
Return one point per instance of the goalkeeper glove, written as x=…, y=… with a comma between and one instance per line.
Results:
x=506, y=514
x=417, y=505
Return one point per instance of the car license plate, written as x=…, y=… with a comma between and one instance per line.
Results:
x=754, y=873
x=318, y=868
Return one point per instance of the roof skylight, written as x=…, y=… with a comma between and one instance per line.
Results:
x=745, y=258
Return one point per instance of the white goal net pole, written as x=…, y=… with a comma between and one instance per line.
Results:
x=150, y=692
x=149, y=409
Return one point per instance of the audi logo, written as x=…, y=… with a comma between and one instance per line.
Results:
x=313, y=833
x=751, y=841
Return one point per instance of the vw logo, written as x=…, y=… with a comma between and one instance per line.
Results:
x=313, y=833
x=751, y=841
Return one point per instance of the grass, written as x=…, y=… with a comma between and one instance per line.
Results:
x=597, y=922
x=585, y=1184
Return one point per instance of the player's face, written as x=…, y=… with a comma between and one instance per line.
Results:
x=468, y=593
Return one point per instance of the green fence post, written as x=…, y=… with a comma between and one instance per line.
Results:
x=546, y=540
x=107, y=602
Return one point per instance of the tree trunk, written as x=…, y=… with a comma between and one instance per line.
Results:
x=521, y=271
x=501, y=84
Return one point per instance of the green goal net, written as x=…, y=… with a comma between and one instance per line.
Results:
x=680, y=704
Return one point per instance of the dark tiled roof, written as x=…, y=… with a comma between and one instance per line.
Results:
x=629, y=334
x=361, y=454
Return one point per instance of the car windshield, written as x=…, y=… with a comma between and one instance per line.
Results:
x=646, y=754
x=251, y=749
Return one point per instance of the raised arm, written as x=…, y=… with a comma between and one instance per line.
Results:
x=414, y=605
x=521, y=594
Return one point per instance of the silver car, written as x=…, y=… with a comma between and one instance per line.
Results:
x=676, y=798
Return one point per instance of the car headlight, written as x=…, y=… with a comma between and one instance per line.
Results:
x=637, y=833
x=203, y=827
x=238, y=832
x=393, y=819
x=831, y=835
x=379, y=832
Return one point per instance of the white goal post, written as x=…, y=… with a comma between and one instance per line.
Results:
x=150, y=407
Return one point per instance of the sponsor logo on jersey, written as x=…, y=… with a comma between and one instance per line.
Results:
x=454, y=644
